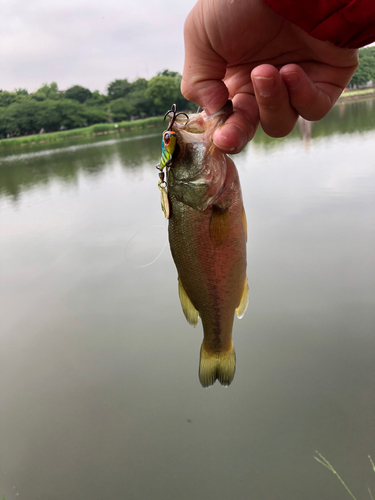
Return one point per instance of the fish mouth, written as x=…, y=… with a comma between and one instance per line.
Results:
x=217, y=119
x=202, y=124
x=196, y=134
x=226, y=110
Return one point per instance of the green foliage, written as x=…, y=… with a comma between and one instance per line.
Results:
x=46, y=92
x=366, y=67
x=21, y=92
x=78, y=93
x=95, y=115
x=120, y=109
x=136, y=104
x=7, y=98
x=118, y=89
x=30, y=116
x=50, y=110
x=166, y=72
x=139, y=84
x=98, y=129
x=96, y=99
x=162, y=92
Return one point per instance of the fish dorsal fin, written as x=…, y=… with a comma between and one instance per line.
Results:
x=241, y=309
x=191, y=314
x=219, y=226
x=244, y=222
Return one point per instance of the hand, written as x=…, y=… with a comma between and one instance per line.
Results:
x=272, y=70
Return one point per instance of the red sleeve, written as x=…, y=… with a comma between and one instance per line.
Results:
x=346, y=23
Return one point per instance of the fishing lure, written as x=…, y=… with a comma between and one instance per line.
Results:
x=168, y=146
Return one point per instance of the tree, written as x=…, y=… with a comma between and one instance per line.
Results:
x=97, y=99
x=166, y=72
x=120, y=109
x=22, y=113
x=22, y=92
x=19, y=118
x=46, y=92
x=139, y=84
x=162, y=92
x=7, y=98
x=366, y=67
x=118, y=89
x=78, y=93
x=95, y=115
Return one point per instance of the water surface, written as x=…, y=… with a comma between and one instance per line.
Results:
x=100, y=395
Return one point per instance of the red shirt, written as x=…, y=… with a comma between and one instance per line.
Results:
x=346, y=23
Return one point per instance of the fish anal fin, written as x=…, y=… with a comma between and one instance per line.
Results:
x=191, y=314
x=241, y=309
x=219, y=366
x=244, y=222
x=219, y=226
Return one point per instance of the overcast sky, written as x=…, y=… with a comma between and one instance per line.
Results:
x=88, y=42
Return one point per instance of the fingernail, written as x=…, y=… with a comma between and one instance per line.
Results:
x=264, y=85
x=230, y=138
x=292, y=80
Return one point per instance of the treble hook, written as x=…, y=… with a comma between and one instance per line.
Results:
x=172, y=118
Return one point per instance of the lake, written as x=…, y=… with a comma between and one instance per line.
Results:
x=100, y=397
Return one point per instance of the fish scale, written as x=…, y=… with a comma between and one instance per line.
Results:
x=207, y=236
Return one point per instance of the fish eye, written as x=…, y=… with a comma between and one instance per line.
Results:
x=167, y=138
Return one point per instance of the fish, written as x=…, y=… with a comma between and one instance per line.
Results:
x=207, y=235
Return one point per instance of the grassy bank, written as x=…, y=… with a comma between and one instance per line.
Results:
x=98, y=129
x=357, y=94
x=110, y=128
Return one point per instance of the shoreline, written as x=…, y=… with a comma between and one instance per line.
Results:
x=79, y=133
x=115, y=128
x=356, y=95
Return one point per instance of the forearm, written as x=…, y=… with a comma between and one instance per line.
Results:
x=345, y=23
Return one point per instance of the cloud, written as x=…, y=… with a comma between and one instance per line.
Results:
x=88, y=42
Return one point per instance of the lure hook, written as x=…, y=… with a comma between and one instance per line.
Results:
x=172, y=118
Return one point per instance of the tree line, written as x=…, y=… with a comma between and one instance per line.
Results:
x=366, y=67
x=50, y=109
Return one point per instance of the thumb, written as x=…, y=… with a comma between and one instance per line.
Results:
x=204, y=70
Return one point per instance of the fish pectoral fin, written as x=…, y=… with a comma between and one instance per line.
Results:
x=219, y=226
x=191, y=314
x=241, y=309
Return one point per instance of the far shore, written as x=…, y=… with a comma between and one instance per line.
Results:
x=78, y=133
x=357, y=95
x=113, y=128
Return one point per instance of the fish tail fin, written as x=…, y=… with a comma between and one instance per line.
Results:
x=219, y=366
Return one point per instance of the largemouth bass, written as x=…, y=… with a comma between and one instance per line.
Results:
x=207, y=236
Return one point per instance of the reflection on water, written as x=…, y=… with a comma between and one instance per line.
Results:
x=92, y=156
x=63, y=163
x=342, y=119
x=99, y=397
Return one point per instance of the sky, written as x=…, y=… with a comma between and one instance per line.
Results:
x=88, y=43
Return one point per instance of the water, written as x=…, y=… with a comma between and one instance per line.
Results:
x=100, y=395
